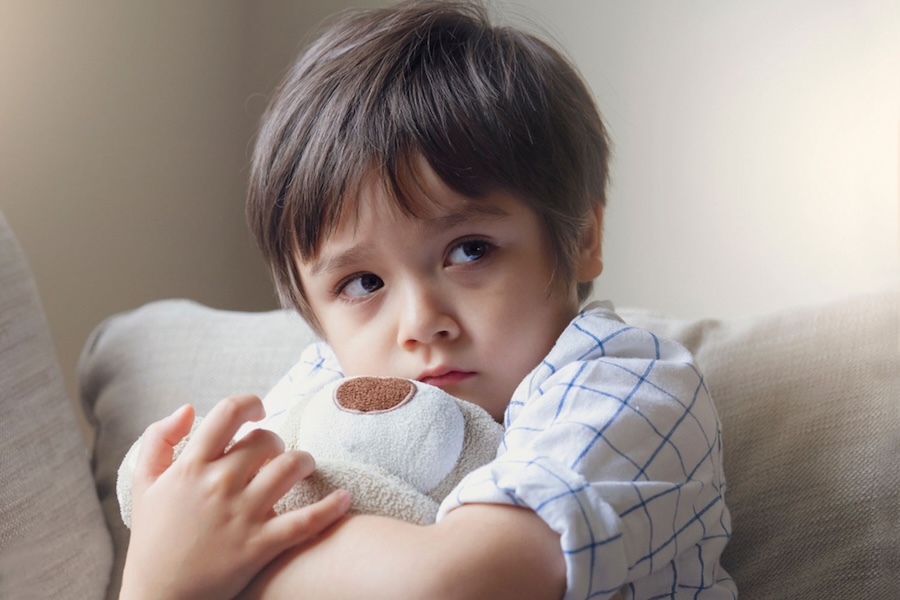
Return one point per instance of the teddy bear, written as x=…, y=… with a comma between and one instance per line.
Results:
x=398, y=446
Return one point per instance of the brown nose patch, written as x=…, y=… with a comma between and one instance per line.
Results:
x=373, y=394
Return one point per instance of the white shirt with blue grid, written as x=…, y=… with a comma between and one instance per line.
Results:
x=613, y=440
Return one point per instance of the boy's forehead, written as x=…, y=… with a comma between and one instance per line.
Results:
x=424, y=199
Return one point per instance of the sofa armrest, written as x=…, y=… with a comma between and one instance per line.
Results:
x=53, y=539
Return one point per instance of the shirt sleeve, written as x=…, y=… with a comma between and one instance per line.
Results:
x=614, y=442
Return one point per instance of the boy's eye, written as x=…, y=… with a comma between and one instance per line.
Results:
x=469, y=251
x=361, y=286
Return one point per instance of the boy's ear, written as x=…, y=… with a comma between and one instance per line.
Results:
x=590, y=259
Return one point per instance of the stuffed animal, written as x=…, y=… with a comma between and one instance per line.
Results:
x=398, y=446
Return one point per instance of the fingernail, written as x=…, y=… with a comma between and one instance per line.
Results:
x=343, y=498
x=180, y=411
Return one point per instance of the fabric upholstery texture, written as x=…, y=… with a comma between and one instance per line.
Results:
x=810, y=405
x=53, y=542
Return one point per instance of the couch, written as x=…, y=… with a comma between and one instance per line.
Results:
x=809, y=399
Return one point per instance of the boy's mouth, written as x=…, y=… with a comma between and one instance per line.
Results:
x=443, y=377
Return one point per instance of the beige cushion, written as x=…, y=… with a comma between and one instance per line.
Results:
x=140, y=366
x=810, y=405
x=53, y=543
x=808, y=400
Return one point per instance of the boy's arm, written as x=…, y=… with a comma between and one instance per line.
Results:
x=203, y=526
x=477, y=551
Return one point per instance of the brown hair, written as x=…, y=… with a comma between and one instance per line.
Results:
x=489, y=108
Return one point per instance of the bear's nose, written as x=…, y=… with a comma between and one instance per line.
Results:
x=373, y=394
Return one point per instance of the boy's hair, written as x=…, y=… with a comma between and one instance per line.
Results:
x=489, y=108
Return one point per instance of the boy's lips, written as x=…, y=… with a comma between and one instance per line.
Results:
x=444, y=376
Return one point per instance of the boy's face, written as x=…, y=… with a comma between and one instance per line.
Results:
x=460, y=298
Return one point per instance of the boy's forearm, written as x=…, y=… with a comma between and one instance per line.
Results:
x=478, y=551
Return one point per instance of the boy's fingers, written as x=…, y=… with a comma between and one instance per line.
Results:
x=301, y=525
x=279, y=476
x=218, y=428
x=158, y=444
x=251, y=453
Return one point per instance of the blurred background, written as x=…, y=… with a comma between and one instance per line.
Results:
x=756, y=147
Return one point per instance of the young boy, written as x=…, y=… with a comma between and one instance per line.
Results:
x=428, y=190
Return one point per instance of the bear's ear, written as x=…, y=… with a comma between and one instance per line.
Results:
x=590, y=257
x=373, y=394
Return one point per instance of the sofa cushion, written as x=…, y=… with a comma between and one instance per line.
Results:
x=810, y=405
x=139, y=366
x=53, y=542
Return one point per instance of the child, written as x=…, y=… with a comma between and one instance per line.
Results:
x=428, y=190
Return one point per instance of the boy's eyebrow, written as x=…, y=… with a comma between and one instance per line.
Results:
x=471, y=211
x=338, y=262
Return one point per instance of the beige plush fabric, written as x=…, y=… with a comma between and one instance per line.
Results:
x=386, y=487
x=140, y=366
x=809, y=399
x=810, y=405
x=377, y=488
x=53, y=543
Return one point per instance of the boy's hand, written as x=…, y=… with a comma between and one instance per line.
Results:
x=204, y=525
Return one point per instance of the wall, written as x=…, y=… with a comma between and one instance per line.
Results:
x=125, y=132
x=756, y=147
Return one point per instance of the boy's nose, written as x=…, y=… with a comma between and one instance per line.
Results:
x=425, y=318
